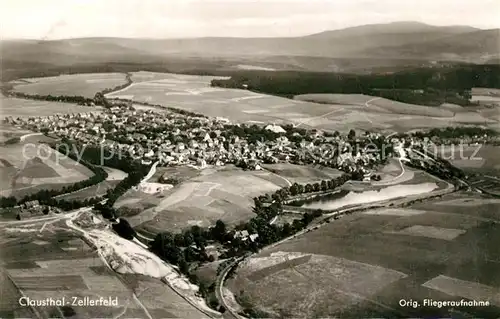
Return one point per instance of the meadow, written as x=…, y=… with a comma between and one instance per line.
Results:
x=30, y=108
x=302, y=174
x=219, y=193
x=379, y=104
x=334, y=112
x=86, y=85
x=27, y=168
x=363, y=264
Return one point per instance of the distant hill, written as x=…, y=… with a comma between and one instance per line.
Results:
x=476, y=46
x=411, y=41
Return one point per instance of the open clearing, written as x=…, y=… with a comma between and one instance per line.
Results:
x=220, y=193
x=85, y=84
x=362, y=265
x=25, y=108
x=194, y=93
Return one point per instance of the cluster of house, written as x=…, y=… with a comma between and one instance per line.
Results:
x=32, y=208
x=176, y=139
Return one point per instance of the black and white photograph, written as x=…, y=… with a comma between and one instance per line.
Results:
x=240, y=159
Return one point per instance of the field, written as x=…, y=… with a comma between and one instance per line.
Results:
x=50, y=260
x=194, y=93
x=100, y=189
x=9, y=133
x=219, y=193
x=86, y=85
x=360, y=266
x=470, y=156
x=379, y=104
x=29, y=166
x=302, y=174
x=486, y=96
x=26, y=108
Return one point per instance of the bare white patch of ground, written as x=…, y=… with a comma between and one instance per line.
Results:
x=125, y=256
x=253, y=67
x=395, y=212
x=465, y=289
x=114, y=174
x=254, y=264
x=154, y=188
x=255, y=111
x=20, y=230
x=430, y=232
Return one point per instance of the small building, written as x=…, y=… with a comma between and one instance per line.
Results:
x=31, y=204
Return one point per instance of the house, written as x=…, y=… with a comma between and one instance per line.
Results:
x=275, y=128
x=31, y=204
x=243, y=234
x=253, y=164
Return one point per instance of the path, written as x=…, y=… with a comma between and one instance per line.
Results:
x=332, y=112
x=367, y=103
x=22, y=138
x=317, y=117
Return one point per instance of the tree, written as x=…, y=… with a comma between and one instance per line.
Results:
x=351, y=135
x=324, y=185
x=190, y=254
x=188, y=238
x=124, y=229
x=219, y=231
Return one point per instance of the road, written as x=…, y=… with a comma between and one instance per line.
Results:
x=332, y=112
x=318, y=117
x=22, y=138
x=152, y=171
x=219, y=285
x=367, y=103
x=51, y=218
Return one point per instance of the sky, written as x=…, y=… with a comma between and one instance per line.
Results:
x=58, y=19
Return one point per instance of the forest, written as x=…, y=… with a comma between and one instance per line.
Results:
x=423, y=86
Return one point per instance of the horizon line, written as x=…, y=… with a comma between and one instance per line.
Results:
x=245, y=37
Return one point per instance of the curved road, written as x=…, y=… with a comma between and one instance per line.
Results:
x=152, y=171
x=22, y=138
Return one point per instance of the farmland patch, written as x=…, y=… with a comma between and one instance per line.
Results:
x=464, y=289
x=430, y=231
x=86, y=85
x=394, y=212
x=25, y=108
